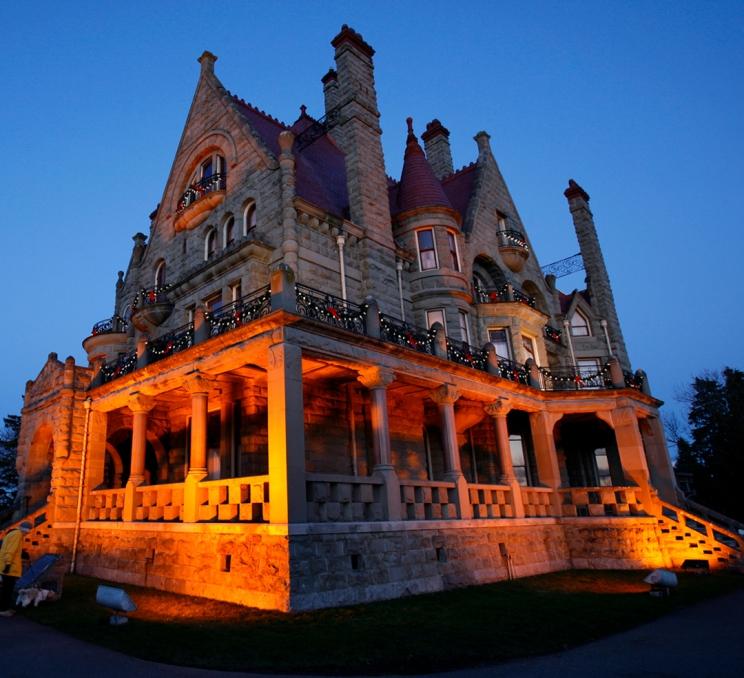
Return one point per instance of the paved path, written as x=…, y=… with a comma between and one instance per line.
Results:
x=701, y=641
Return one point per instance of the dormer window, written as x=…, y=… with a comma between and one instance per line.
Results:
x=579, y=325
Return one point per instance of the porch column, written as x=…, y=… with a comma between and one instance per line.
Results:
x=139, y=405
x=548, y=470
x=657, y=457
x=286, y=435
x=445, y=397
x=377, y=380
x=631, y=451
x=198, y=386
x=498, y=411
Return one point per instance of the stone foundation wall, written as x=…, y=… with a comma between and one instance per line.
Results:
x=235, y=563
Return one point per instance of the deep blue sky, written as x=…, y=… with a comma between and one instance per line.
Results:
x=640, y=102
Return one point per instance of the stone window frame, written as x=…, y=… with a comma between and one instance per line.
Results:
x=533, y=340
x=249, y=217
x=454, y=254
x=160, y=273
x=228, y=223
x=429, y=322
x=462, y=318
x=433, y=249
x=575, y=326
x=210, y=243
x=507, y=335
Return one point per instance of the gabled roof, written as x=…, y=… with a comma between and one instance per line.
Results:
x=566, y=300
x=459, y=187
x=320, y=166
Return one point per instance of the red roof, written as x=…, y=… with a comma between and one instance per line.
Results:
x=320, y=166
x=418, y=187
x=459, y=188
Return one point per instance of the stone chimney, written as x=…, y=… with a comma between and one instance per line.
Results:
x=437, y=145
x=599, y=288
x=330, y=90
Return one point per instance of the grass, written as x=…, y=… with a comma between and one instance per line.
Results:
x=435, y=632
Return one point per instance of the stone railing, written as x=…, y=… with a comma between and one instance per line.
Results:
x=690, y=521
x=243, y=500
x=538, y=502
x=332, y=498
x=158, y=502
x=106, y=504
x=491, y=501
x=601, y=501
x=428, y=500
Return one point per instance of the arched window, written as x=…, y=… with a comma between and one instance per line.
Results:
x=160, y=273
x=579, y=325
x=210, y=243
x=228, y=231
x=249, y=217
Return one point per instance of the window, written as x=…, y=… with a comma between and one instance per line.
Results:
x=427, y=251
x=528, y=344
x=462, y=318
x=454, y=254
x=235, y=291
x=228, y=231
x=588, y=367
x=436, y=315
x=190, y=310
x=499, y=337
x=500, y=221
x=579, y=325
x=519, y=459
x=160, y=273
x=210, y=244
x=249, y=218
x=602, y=467
x=214, y=302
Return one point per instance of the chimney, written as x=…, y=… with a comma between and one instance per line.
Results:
x=438, y=152
x=600, y=290
x=330, y=90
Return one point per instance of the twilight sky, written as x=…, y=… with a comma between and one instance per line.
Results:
x=641, y=102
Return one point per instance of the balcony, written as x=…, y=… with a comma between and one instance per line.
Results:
x=198, y=200
x=107, y=339
x=507, y=293
x=513, y=248
x=151, y=308
x=110, y=326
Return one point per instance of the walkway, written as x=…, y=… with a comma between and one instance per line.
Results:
x=701, y=641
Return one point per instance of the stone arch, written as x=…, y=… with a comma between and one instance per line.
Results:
x=488, y=271
x=588, y=451
x=119, y=443
x=113, y=468
x=37, y=472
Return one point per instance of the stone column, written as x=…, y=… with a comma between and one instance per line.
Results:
x=498, y=411
x=445, y=397
x=542, y=425
x=286, y=435
x=139, y=405
x=657, y=457
x=631, y=451
x=198, y=386
x=377, y=380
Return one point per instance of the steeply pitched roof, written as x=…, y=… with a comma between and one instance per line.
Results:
x=418, y=187
x=459, y=188
x=567, y=299
x=320, y=166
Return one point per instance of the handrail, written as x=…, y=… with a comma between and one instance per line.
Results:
x=110, y=326
x=214, y=182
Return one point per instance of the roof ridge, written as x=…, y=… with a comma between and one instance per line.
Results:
x=460, y=171
x=257, y=110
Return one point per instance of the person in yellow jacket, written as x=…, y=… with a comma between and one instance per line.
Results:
x=10, y=566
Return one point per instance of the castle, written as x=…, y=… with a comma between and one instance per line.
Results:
x=321, y=385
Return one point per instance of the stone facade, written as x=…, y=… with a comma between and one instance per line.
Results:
x=325, y=386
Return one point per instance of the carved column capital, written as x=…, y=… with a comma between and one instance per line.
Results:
x=197, y=383
x=375, y=377
x=498, y=408
x=446, y=394
x=140, y=403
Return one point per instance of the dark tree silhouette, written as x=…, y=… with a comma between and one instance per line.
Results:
x=8, y=475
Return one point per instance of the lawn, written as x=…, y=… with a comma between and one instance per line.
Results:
x=435, y=632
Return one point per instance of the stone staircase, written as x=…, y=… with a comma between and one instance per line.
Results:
x=691, y=541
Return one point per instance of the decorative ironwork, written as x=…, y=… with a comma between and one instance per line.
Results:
x=242, y=311
x=553, y=334
x=110, y=326
x=403, y=334
x=124, y=364
x=511, y=238
x=465, y=354
x=154, y=295
x=330, y=309
x=512, y=371
x=317, y=129
x=633, y=380
x=564, y=267
x=505, y=293
x=214, y=182
x=172, y=342
x=570, y=379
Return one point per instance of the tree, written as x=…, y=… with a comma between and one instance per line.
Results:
x=714, y=452
x=8, y=451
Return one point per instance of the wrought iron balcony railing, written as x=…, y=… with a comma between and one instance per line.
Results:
x=172, y=342
x=511, y=238
x=110, y=326
x=409, y=336
x=154, y=295
x=330, y=309
x=124, y=364
x=513, y=371
x=553, y=334
x=214, y=182
x=570, y=379
x=465, y=354
x=242, y=311
x=505, y=293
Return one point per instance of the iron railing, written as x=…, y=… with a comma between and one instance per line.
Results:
x=249, y=307
x=570, y=379
x=110, y=326
x=633, y=380
x=505, y=293
x=508, y=369
x=214, y=182
x=124, y=364
x=175, y=341
x=511, y=238
x=401, y=333
x=153, y=295
x=330, y=309
x=464, y=354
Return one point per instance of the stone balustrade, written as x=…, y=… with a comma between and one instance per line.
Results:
x=538, y=502
x=601, y=501
x=158, y=502
x=332, y=498
x=234, y=499
x=428, y=500
x=491, y=501
x=106, y=504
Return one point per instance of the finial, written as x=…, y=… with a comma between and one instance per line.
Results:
x=207, y=60
x=409, y=122
x=303, y=110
